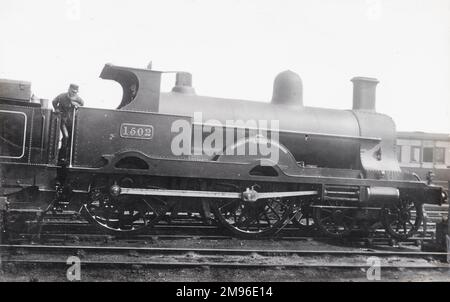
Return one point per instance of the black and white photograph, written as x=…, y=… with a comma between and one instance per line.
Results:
x=222, y=148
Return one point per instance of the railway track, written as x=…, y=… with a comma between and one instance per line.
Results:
x=205, y=257
x=152, y=257
x=61, y=234
x=75, y=232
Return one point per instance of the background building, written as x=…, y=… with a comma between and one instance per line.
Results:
x=421, y=152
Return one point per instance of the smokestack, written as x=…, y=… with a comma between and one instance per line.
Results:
x=288, y=89
x=364, y=93
x=184, y=83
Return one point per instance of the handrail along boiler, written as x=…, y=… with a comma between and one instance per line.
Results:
x=336, y=168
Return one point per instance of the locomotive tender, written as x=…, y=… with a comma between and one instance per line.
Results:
x=336, y=167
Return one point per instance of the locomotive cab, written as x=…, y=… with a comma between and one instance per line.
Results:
x=28, y=141
x=141, y=87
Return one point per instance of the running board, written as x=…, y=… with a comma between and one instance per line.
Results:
x=249, y=195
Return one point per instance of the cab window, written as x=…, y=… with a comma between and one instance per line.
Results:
x=12, y=134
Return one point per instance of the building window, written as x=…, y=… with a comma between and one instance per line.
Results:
x=398, y=149
x=427, y=155
x=440, y=155
x=415, y=154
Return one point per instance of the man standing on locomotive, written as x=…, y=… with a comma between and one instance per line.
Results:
x=64, y=104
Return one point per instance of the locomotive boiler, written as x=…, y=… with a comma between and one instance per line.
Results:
x=159, y=153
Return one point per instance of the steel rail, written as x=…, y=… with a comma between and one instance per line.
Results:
x=378, y=241
x=217, y=251
x=234, y=265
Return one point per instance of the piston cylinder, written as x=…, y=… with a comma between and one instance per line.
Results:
x=380, y=194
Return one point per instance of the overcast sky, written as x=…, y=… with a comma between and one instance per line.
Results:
x=235, y=48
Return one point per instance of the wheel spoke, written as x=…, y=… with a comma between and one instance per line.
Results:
x=273, y=211
x=348, y=218
x=328, y=218
x=226, y=205
x=251, y=218
x=267, y=219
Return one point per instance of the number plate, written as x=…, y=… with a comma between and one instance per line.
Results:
x=136, y=131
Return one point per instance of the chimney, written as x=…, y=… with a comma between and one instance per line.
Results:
x=184, y=83
x=364, y=93
x=288, y=89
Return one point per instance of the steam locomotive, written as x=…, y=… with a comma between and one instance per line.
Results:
x=252, y=167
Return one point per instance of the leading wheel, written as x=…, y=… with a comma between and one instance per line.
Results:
x=403, y=219
x=251, y=219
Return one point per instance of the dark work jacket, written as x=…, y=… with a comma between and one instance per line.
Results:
x=63, y=103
